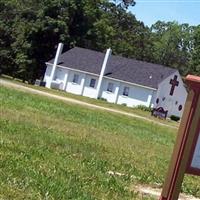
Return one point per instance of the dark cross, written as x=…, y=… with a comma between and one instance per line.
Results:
x=174, y=83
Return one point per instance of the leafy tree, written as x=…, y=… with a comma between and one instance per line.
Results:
x=31, y=29
x=125, y=3
x=6, y=21
x=195, y=62
x=35, y=29
x=172, y=44
x=121, y=31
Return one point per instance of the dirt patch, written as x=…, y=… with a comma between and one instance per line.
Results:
x=156, y=192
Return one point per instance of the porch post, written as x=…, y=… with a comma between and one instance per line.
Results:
x=108, y=53
x=58, y=53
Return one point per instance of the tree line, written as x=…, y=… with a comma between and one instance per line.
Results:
x=31, y=29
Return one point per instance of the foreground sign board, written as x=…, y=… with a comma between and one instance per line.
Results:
x=196, y=156
x=186, y=154
x=194, y=167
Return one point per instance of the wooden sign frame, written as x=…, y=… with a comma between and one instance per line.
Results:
x=184, y=149
x=194, y=83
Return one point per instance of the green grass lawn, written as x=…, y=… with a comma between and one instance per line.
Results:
x=54, y=150
x=98, y=102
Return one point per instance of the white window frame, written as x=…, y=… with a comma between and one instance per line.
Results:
x=75, y=78
x=92, y=82
x=126, y=91
x=110, y=87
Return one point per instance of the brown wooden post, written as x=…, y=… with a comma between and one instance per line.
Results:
x=186, y=139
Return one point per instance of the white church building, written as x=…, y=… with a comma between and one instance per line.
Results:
x=117, y=79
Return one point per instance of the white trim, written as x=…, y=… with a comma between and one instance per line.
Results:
x=83, y=84
x=76, y=70
x=105, y=77
x=117, y=92
x=65, y=81
x=129, y=83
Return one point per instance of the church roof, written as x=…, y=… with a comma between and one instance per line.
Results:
x=121, y=68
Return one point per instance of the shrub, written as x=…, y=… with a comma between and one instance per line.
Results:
x=102, y=99
x=144, y=108
x=174, y=118
x=124, y=104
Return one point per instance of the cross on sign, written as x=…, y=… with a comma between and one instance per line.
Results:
x=174, y=83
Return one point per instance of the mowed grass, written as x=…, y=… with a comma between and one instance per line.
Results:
x=53, y=150
x=99, y=102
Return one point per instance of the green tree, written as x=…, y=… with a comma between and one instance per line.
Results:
x=125, y=3
x=172, y=44
x=35, y=29
x=31, y=29
x=195, y=62
x=6, y=21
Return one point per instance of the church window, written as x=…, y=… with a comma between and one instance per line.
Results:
x=163, y=98
x=180, y=107
x=92, y=82
x=75, y=78
x=126, y=91
x=157, y=100
x=110, y=87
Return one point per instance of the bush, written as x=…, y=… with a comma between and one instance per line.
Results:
x=102, y=99
x=174, y=118
x=124, y=104
x=144, y=108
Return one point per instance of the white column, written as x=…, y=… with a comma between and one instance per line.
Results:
x=117, y=92
x=108, y=53
x=65, y=81
x=83, y=84
x=151, y=99
x=58, y=53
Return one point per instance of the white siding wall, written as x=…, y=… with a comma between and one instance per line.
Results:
x=89, y=91
x=76, y=88
x=109, y=96
x=153, y=99
x=137, y=96
x=61, y=77
x=60, y=74
x=47, y=76
x=171, y=103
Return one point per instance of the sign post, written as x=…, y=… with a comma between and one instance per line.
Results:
x=186, y=154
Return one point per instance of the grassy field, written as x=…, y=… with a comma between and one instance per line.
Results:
x=54, y=150
x=98, y=102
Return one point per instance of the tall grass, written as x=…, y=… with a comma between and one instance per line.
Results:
x=53, y=150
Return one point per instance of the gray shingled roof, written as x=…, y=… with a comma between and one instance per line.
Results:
x=125, y=69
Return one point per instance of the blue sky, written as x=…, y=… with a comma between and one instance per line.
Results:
x=182, y=11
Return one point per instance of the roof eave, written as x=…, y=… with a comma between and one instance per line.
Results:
x=126, y=82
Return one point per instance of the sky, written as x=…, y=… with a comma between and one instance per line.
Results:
x=182, y=11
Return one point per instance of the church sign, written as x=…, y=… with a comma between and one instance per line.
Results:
x=194, y=164
x=159, y=112
x=186, y=154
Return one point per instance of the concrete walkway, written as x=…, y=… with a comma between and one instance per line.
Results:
x=10, y=84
